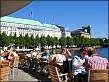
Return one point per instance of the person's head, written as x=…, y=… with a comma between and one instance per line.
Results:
x=83, y=52
x=53, y=52
x=37, y=50
x=34, y=48
x=64, y=51
x=92, y=51
x=9, y=44
x=15, y=50
x=46, y=52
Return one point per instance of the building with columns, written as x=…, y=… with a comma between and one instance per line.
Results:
x=10, y=25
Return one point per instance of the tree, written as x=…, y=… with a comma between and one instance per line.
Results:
x=32, y=40
x=4, y=39
x=56, y=41
x=43, y=41
x=11, y=39
x=22, y=41
x=37, y=40
x=76, y=41
x=62, y=41
x=16, y=40
x=69, y=41
x=28, y=41
x=49, y=39
x=52, y=41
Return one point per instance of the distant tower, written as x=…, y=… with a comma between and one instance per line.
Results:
x=88, y=29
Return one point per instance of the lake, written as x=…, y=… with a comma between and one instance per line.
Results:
x=103, y=52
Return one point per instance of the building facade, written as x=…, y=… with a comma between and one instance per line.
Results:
x=81, y=32
x=88, y=29
x=10, y=25
x=64, y=31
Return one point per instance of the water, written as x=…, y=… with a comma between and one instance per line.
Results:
x=103, y=52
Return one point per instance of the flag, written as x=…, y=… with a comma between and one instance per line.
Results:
x=44, y=19
x=30, y=14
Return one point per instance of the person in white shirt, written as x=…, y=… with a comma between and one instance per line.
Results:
x=1, y=51
x=1, y=54
x=61, y=57
x=14, y=53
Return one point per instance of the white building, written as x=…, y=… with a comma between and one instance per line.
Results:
x=10, y=25
x=81, y=32
x=64, y=31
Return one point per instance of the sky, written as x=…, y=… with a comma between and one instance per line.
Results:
x=70, y=14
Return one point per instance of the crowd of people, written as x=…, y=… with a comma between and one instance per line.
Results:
x=9, y=54
x=87, y=59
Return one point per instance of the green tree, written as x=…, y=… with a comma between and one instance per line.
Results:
x=37, y=40
x=43, y=41
x=56, y=41
x=16, y=40
x=28, y=41
x=22, y=41
x=4, y=40
x=52, y=41
x=101, y=42
x=11, y=39
x=76, y=41
x=32, y=40
x=69, y=41
x=49, y=39
x=62, y=41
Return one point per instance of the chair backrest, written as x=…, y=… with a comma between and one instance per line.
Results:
x=12, y=62
x=28, y=55
x=16, y=61
x=5, y=63
x=4, y=72
x=98, y=75
x=21, y=55
x=54, y=73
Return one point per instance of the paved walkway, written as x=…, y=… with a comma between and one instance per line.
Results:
x=24, y=74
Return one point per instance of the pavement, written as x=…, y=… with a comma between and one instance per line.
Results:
x=24, y=74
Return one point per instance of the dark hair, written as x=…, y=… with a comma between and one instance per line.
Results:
x=63, y=49
x=83, y=49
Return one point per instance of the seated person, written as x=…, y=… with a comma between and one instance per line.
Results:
x=37, y=51
x=44, y=55
x=14, y=53
x=40, y=53
x=9, y=55
x=61, y=57
x=78, y=64
x=1, y=54
x=51, y=58
x=33, y=54
x=1, y=58
x=93, y=59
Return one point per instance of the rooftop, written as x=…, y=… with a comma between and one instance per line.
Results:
x=26, y=21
